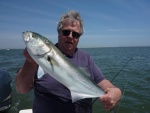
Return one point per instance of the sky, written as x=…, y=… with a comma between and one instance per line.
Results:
x=107, y=23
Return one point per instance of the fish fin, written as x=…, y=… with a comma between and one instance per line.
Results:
x=40, y=72
x=77, y=96
x=52, y=61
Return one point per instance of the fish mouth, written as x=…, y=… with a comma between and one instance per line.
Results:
x=26, y=36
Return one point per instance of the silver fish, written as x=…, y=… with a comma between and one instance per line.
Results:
x=53, y=62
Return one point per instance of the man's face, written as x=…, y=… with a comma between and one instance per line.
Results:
x=68, y=37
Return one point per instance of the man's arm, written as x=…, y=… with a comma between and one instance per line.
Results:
x=25, y=76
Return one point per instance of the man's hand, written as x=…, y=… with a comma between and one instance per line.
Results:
x=111, y=98
x=28, y=57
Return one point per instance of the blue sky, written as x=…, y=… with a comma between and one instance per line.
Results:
x=107, y=23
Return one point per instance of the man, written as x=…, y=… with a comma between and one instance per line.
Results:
x=50, y=95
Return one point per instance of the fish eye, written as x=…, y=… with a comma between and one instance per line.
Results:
x=33, y=35
x=46, y=42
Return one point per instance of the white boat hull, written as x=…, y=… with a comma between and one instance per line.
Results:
x=26, y=111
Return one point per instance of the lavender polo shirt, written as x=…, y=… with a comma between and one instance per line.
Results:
x=46, y=85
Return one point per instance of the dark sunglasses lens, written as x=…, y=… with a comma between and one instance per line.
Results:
x=75, y=35
x=66, y=32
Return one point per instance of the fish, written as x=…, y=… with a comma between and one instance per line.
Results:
x=52, y=61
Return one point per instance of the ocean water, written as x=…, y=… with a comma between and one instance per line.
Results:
x=128, y=67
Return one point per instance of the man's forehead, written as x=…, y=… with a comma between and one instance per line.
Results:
x=72, y=22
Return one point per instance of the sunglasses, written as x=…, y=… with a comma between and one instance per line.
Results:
x=75, y=35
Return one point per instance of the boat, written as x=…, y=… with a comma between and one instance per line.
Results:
x=26, y=111
x=5, y=91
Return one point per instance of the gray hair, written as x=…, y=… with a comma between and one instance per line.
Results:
x=72, y=16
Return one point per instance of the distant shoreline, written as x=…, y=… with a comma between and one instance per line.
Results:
x=83, y=47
